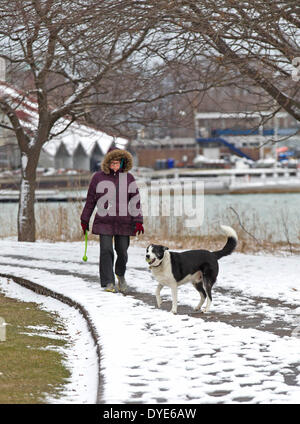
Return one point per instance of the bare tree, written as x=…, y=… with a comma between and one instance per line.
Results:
x=244, y=49
x=166, y=101
x=78, y=53
x=259, y=40
x=69, y=50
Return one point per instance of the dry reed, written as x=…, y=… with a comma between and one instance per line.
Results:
x=62, y=223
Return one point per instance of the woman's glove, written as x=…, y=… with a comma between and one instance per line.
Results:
x=138, y=228
x=85, y=227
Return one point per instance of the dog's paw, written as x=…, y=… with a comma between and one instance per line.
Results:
x=174, y=311
x=199, y=310
x=158, y=302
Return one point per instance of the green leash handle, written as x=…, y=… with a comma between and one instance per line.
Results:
x=86, y=240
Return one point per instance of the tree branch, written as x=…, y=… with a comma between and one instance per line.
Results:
x=243, y=228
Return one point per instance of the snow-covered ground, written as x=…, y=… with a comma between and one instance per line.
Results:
x=247, y=349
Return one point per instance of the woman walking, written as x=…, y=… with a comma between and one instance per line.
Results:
x=114, y=191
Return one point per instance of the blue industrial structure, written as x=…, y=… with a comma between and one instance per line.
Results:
x=238, y=131
x=220, y=140
x=245, y=130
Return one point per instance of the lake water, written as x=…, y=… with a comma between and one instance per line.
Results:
x=263, y=215
x=275, y=216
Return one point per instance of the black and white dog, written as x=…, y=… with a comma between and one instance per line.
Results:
x=197, y=266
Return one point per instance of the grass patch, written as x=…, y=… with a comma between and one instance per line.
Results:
x=31, y=365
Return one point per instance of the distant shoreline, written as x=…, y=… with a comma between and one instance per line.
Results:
x=72, y=187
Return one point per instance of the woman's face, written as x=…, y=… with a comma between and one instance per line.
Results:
x=115, y=165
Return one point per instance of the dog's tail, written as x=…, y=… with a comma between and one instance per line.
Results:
x=231, y=242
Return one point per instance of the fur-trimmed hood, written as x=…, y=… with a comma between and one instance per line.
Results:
x=117, y=154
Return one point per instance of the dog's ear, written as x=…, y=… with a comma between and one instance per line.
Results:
x=163, y=248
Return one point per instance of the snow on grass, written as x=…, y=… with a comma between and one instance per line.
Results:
x=81, y=356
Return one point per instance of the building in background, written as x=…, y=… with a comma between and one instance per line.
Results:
x=79, y=146
x=153, y=152
x=220, y=139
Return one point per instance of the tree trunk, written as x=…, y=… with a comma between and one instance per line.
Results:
x=26, y=217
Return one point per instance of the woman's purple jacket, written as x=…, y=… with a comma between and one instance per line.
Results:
x=117, y=200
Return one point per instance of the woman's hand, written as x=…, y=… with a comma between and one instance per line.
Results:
x=85, y=227
x=138, y=228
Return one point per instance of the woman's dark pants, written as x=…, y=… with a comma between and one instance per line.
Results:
x=106, y=262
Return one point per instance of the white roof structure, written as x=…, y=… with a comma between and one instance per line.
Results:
x=27, y=112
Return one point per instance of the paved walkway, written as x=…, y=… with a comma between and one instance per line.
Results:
x=240, y=354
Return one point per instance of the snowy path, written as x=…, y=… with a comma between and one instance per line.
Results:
x=245, y=350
